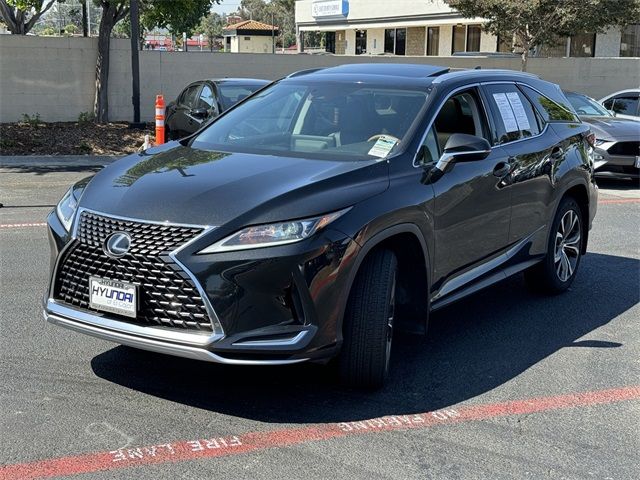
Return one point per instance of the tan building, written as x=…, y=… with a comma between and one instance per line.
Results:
x=250, y=36
x=431, y=27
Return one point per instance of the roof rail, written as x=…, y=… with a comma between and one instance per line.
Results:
x=299, y=73
x=489, y=71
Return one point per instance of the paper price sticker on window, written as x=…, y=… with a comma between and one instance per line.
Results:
x=518, y=110
x=508, y=118
x=383, y=146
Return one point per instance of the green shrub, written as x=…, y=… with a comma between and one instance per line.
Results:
x=31, y=120
x=86, y=117
x=84, y=147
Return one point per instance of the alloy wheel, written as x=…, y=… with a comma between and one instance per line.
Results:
x=567, y=245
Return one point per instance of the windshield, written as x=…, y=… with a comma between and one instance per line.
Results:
x=586, y=106
x=232, y=94
x=336, y=120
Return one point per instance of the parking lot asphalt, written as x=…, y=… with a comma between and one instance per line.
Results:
x=508, y=384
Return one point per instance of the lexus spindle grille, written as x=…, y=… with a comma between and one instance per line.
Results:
x=167, y=295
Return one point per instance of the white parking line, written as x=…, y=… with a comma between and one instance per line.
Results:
x=20, y=225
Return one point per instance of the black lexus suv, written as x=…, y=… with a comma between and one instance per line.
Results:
x=308, y=220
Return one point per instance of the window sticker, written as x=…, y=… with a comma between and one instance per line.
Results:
x=518, y=110
x=382, y=147
x=508, y=119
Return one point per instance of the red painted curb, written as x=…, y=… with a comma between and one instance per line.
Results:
x=255, y=441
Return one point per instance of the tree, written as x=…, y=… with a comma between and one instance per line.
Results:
x=277, y=12
x=112, y=12
x=533, y=23
x=71, y=29
x=21, y=15
x=177, y=15
x=211, y=27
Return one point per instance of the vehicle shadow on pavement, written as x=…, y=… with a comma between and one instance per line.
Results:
x=472, y=347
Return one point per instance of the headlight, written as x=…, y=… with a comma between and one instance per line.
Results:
x=66, y=208
x=599, y=141
x=274, y=234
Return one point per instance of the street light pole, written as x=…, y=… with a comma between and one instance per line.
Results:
x=273, y=35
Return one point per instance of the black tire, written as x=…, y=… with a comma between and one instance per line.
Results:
x=368, y=323
x=550, y=276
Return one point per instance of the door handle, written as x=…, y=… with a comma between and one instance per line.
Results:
x=502, y=169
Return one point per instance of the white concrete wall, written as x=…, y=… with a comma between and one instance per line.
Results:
x=608, y=43
x=56, y=76
x=375, y=41
x=255, y=44
x=488, y=42
x=350, y=49
x=446, y=39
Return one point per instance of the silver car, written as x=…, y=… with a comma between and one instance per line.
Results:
x=625, y=103
x=617, y=147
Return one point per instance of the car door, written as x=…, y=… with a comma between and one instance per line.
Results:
x=205, y=109
x=531, y=148
x=182, y=123
x=625, y=105
x=471, y=205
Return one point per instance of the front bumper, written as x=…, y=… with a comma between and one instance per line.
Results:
x=151, y=339
x=250, y=294
x=614, y=164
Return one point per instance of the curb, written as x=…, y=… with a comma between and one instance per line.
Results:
x=9, y=161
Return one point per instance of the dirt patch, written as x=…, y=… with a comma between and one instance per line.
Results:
x=70, y=138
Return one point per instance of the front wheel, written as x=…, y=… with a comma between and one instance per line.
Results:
x=558, y=269
x=368, y=323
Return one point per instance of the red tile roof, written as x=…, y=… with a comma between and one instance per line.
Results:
x=250, y=25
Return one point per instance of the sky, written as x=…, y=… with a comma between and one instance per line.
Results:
x=227, y=6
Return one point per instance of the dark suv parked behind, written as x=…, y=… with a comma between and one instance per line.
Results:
x=309, y=220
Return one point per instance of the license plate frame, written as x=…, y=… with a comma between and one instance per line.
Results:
x=113, y=296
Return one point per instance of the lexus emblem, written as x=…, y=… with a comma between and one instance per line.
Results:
x=117, y=244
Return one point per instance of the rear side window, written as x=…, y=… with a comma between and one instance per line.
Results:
x=514, y=116
x=627, y=105
x=188, y=98
x=550, y=110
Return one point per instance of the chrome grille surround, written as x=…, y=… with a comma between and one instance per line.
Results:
x=170, y=296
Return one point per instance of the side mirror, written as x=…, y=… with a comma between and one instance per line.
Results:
x=199, y=113
x=463, y=148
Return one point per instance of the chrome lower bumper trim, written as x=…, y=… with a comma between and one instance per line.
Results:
x=98, y=328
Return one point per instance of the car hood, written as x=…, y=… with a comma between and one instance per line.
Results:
x=180, y=184
x=613, y=128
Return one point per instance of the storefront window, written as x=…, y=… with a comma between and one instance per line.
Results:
x=555, y=49
x=583, y=45
x=330, y=42
x=433, y=41
x=401, y=41
x=395, y=41
x=473, y=38
x=630, y=41
x=459, y=32
x=389, y=40
x=361, y=42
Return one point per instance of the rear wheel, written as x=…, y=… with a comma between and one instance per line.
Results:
x=558, y=269
x=368, y=323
